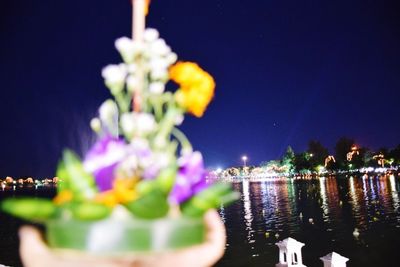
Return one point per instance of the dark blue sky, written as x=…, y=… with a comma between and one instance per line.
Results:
x=286, y=72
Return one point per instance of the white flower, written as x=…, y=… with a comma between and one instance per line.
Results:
x=128, y=48
x=145, y=122
x=132, y=68
x=154, y=163
x=171, y=58
x=139, y=144
x=156, y=88
x=114, y=76
x=95, y=124
x=158, y=63
x=150, y=35
x=158, y=68
x=132, y=83
x=159, y=47
x=178, y=119
x=146, y=162
x=114, y=73
x=140, y=147
x=128, y=166
x=128, y=124
x=163, y=159
x=108, y=112
x=159, y=74
x=137, y=124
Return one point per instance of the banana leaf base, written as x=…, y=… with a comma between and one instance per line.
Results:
x=119, y=237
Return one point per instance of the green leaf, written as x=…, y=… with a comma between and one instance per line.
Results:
x=78, y=180
x=90, y=211
x=166, y=179
x=64, y=177
x=150, y=206
x=229, y=198
x=211, y=198
x=146, y=187
x=30, y=208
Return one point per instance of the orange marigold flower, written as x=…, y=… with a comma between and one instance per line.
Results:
x=197, y=87
x=63, y=197
x=107, y=198
x=124, y=190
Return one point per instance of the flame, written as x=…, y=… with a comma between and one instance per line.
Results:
x=146, y=8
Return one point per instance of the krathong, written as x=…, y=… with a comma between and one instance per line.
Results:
x=141, y=186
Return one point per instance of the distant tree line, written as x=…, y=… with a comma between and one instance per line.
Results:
x=347, y=156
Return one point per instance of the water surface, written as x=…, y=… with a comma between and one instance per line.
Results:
x=320, y=213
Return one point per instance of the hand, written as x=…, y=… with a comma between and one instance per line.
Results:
x=35, y=253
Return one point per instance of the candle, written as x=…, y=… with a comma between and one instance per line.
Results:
x=139, y=10
x=139, y=17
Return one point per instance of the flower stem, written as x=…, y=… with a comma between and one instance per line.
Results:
x=183, y=140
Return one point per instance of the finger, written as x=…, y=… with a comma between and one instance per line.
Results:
x=32, y=247
x=216, y=233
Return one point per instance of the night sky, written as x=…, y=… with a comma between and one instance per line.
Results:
x=286, y=72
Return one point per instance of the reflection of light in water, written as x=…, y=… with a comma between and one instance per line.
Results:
x=322, y=191
x=269, y=202
x=264, y=197
x=354, y=202
x=395, y=196
x=371, y=185
x=222, y=213
x=352, y=189
x=248, y=215
x=382, y=186
x=365, y=190
x=378, y=184
x=263, y=190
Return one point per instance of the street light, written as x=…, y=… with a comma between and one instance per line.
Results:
x=244, y=158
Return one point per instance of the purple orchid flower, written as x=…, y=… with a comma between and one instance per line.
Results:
x=103, y=158
x=191, y=177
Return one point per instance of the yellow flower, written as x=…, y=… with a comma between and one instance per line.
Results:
x=63, y=197
x=107, y=198
x=124, y=190
x=197, y=87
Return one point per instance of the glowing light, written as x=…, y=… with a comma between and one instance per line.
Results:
x=329, y=159
x=380, y=158
x=244, y=159
x=354, y=151
x=321, y=169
